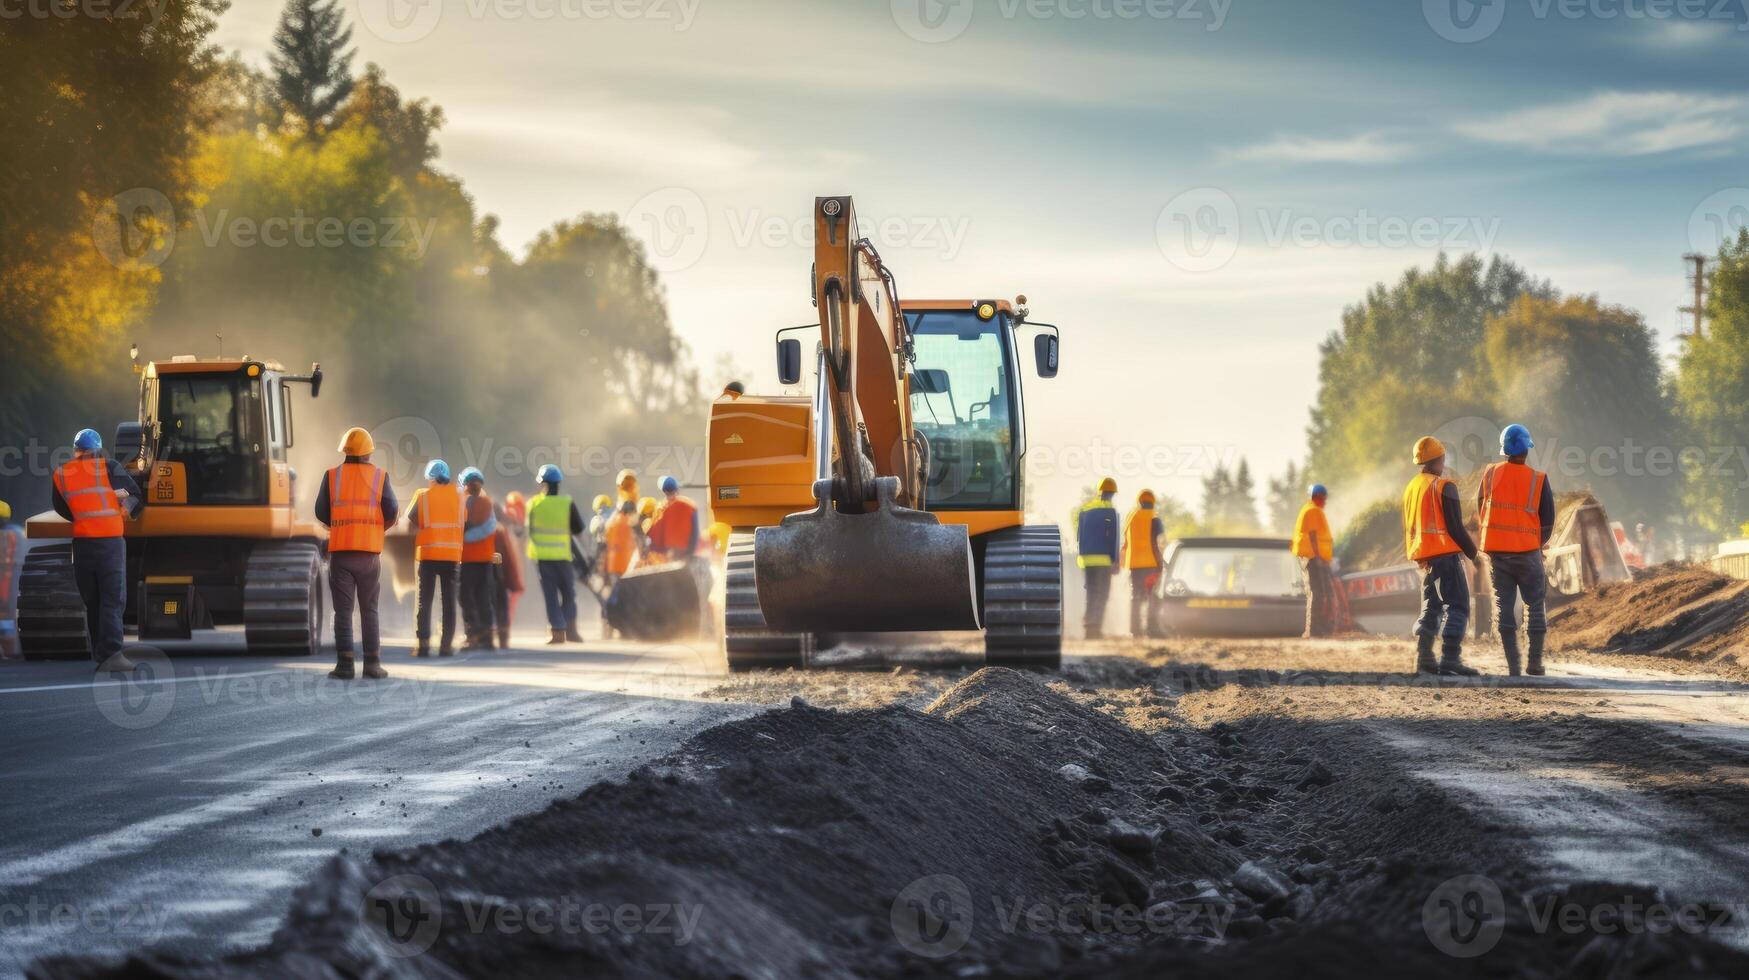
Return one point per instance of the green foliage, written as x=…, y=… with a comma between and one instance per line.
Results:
x=1287, y=494
x=1229, y=501
x=1712, y=395
x=312, y=67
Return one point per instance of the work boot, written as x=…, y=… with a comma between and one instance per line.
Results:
x=504, y=639
x=342, y=668
x=446, y=651
x=558, y=638
x=423, y=649
x=1451, y=664
x=571, y=634
x=1424, y=662
x=1534, y=665
x=373, y=667
x=1095, y=633
x=116, y=663
x=1509, y=642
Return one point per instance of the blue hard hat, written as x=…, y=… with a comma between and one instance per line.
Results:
x=1319, y=490
x=87, y=440
x=550, y=474
x=1515, y=440
x=670, y=485
x=437, y=470
x=473, y=473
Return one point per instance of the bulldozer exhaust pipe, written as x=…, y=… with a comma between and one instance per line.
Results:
x=890, y=570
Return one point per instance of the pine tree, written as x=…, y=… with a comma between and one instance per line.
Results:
x=312, y=67
x=1286, y=496
x=1242, y=504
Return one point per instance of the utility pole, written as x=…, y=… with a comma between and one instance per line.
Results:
x=1697, y=279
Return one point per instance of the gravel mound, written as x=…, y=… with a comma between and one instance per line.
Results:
x=1679, y=611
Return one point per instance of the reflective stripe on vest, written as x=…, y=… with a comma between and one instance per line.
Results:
x=439, y=518
x=84, y=485
x=549, y=527
x=1137, y=533
x=355, y=508
x=1096, y=534
x=1424, y=531
x=1511, y=515
x=481, y=551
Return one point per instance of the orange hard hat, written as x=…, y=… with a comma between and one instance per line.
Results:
x=1145, y=497
x=357, y=442
x=626, y=479
x=1428, y=449
x=1108, y=485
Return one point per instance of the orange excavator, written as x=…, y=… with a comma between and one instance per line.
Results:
x=892, y=498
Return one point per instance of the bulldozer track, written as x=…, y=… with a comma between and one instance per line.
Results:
x=51, y=615
x=1023, y=597
x=282, y=598
x=747, y=642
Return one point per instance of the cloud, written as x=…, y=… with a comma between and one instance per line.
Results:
x=1617, y=124
x=1687, y=35
x=1363, y=148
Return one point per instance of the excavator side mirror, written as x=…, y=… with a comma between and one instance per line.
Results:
x=315, y=381
x=789, y=361
x=1044, y=349
x=930, y=381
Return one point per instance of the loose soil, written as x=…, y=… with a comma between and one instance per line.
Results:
x=1674, y=611
x=1205, y=809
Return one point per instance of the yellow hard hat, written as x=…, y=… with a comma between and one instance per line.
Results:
x=1108, y=485
x=357, y=442
x=625, y=479
x=5, y=511
x=1145, y=497
x=720, y=534
x=601, y=500
x=1428, y=449
x=646, y=506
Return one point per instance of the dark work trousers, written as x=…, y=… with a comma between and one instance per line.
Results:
x=1142, y=601
x=100, y=565
x=478, y=584
x=1098, y=593
x=1320, y=597
x=355, y=578
x=1519, y=575
x=436, y=577
x=501, y=601
x=558, y=586
x=1445, y=590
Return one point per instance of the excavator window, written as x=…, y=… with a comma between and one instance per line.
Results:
x=214, y=426
x=964, y=409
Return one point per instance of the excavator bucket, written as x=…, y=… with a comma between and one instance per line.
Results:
x=892, y=569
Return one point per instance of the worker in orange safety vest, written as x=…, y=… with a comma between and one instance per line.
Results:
x=1516, y=508
x=674, y=536
x=357, y=504
x=1313, y=546
x=479, y=561
x=93, y=492
x=435, y=514
x=1434, y=538
x=1141, y=558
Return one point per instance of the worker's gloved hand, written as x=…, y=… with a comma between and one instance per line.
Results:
x=497, y=557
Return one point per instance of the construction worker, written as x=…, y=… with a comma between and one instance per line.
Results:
x=1314, y=547
x=435, y=514
x=93, y=492
x=479, y=551
x=674, y=536
x=11, y=553
x=552, y=520
x=622, y=542
x=510, y=543
x=646, y=518
x=356, y=503
x=602, y=509
x=1434, y=537
x=1097, y=539
x=627, y=482
x=1516, y=509
x=1141, y=557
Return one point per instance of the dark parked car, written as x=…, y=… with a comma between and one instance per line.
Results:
x=1232, y=587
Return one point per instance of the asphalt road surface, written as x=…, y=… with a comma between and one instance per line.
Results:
x=182, y=809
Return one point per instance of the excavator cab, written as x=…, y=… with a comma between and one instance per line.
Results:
x=913, y=440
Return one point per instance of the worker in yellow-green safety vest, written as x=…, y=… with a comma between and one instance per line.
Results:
x=1097, y=540
x=552, y=520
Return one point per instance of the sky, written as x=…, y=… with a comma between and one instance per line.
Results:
x=1193, y=190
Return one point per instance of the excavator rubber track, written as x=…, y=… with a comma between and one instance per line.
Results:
x=51, y=615
x=1023, y=597
x=747, y=641
x=283, y=607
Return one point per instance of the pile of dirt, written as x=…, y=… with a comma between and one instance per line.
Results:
x=1675, y=610
x=1374, y=538
x=1012, y=827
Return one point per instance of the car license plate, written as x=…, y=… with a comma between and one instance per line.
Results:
x=1219, y=604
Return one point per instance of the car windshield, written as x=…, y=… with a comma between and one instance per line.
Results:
x=212, y=426
x=962, y=403
x=1234, y=571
